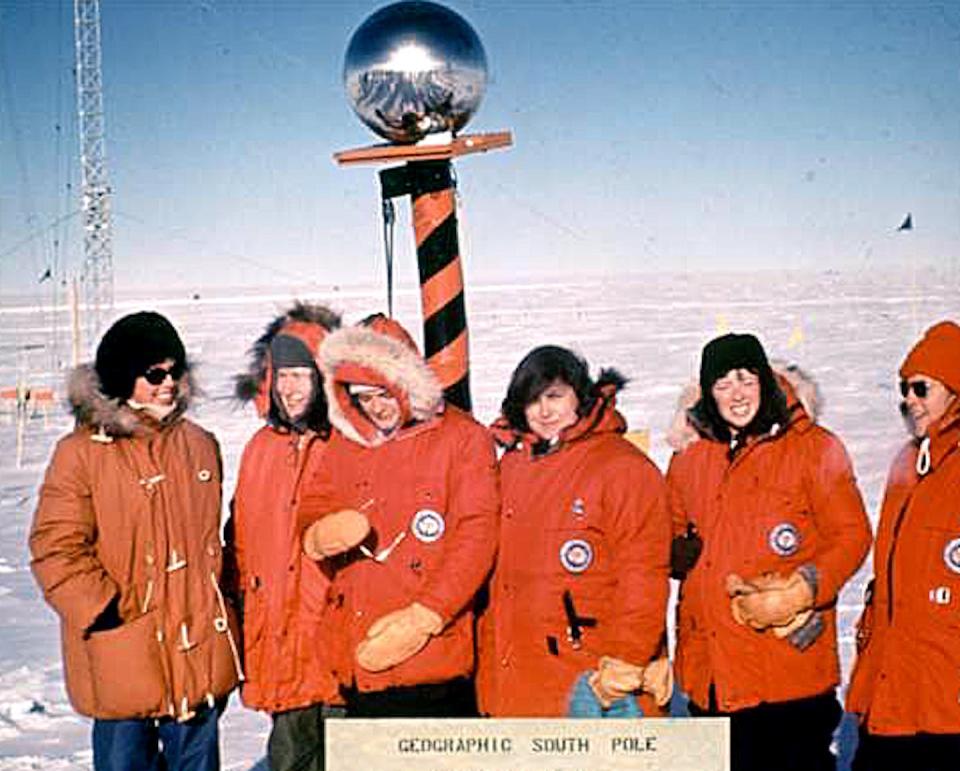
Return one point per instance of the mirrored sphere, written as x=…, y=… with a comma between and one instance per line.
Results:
x=413, y=69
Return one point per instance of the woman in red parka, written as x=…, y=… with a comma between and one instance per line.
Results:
x=401, y=514
x=906, y=683
x=283, y=592
x=772, y=498
x=578, y=597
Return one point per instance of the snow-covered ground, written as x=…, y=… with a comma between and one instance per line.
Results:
x=855, y=331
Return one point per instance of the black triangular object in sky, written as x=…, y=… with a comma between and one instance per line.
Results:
x=907, y=223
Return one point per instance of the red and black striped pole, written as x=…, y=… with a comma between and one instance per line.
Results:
x=430, y=185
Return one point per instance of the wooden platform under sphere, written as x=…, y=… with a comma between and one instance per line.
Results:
x=426, y=151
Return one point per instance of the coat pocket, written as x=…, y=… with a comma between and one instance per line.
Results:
x=127, y=670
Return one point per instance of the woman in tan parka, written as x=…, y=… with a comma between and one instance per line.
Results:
x=126, y=547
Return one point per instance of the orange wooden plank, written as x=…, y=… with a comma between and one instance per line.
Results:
x=462, y=145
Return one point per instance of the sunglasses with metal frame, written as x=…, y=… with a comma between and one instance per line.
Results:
x=156, y=375
x=920, y=388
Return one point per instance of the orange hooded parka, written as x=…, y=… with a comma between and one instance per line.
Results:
x=584, y=527
x=430, y=493
x=284, y=593
x=787, y=499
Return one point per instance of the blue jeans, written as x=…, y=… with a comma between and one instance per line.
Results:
x=158, y=745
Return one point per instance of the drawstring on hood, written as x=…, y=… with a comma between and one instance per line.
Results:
x=923, y=456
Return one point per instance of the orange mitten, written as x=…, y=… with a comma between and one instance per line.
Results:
x=335, y=533
x=658, y=680
x=397, y=636
x=614, y=679
x=769, y=600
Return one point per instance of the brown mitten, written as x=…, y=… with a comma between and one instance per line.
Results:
x=658, y=680
x=397, y=636
x=736, y=588
x=335, y=533
x=799, y=621
x=614, y=679
x=769, y=600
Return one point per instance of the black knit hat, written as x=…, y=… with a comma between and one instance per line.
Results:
x=731, y=351
x=290, y=351
x=131, y=346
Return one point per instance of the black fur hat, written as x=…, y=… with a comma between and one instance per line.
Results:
x=731, y=351
x=131, y=346
x=737, y=351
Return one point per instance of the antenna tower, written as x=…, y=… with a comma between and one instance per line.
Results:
x=97, y=274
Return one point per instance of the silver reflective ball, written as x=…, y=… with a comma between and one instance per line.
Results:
x=414, y=68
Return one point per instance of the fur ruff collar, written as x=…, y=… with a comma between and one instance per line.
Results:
x=803, y=400
x=94, y=410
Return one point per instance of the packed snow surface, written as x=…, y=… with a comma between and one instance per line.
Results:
x=850, y=331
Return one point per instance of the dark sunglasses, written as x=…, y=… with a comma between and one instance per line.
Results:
x=920, y=388
x=156, y=375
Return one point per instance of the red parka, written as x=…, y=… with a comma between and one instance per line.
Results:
x=130, y=509
x=787, y=499
x=587, y=519
x=284, y=593
x=907, y=676
x=430, y=493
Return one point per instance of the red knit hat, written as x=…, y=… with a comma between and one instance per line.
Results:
x=937, y=355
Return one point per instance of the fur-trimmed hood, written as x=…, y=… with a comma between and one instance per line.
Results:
x=803, y=403
x=305, y=321
x=111, y=417
x=366, y=356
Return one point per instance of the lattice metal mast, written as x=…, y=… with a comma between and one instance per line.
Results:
x=95, y=190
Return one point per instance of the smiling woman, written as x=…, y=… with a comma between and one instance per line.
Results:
x=575, y=625
x=783, y=527
x=904, y=686
x=400, y=512
x=157, y=387
x=125, y=544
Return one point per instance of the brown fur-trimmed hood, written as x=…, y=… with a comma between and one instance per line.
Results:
x=800, y=388
x=92, y=409
x=363, y=355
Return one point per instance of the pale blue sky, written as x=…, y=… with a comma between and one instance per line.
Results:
x=649, y=135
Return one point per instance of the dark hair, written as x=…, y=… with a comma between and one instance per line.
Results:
x=536, y=372
x=720, y=356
